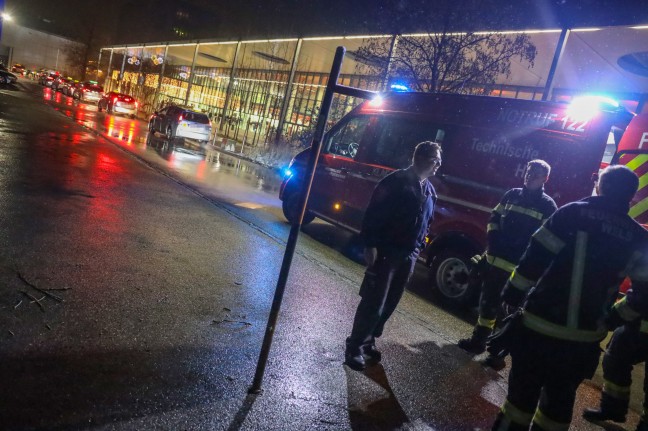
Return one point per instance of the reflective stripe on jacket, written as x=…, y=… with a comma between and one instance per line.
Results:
x=574, y=265
x=520, y=213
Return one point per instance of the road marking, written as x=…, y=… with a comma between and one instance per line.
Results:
x=249, y=205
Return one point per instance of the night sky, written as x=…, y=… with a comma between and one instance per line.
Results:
x=121, y=21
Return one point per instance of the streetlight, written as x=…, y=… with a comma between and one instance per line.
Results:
x=5, y=17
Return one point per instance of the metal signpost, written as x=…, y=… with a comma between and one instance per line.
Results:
x=331, y=88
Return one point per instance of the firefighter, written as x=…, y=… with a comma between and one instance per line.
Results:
x=568, y=279
x=394, y=229
x=628, y=347
x=520, y=213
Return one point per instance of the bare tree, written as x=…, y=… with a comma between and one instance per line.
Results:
x=77, y=56
x=450, y=51
x=82, y=56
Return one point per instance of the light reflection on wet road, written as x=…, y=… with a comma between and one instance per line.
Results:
x=241, y=183
x=246, y=189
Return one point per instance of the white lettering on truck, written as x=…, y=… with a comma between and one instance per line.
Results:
x=573, y=125
x=541, y=120
x=520, y=170
x=643, y=140
x=532, y=118
x=502, y=147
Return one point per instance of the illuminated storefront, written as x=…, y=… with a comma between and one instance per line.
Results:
x=254, y=90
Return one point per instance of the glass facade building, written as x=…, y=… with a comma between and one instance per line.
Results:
x=257, y=90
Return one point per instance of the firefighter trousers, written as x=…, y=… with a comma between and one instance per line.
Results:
x=490, y=302
x=545, y=374
x=627, y=348
x=381, y=291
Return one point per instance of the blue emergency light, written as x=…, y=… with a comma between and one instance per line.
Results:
x=399, y=87
x=582, y=108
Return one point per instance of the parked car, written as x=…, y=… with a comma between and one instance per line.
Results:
x=118, y=103
x=88, y=92
x=179, y=122
x=60, y=83
x=69, y=88
x=55, y=82
x=47, y=78
x=7, y=77
x=74, y=86
x=18, y=68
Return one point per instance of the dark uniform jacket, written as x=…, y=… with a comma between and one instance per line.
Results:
x=573, y=267
x=520, y=213
x=399, y=213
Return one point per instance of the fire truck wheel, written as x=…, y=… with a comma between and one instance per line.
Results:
x=449, y=277
x=290, y=207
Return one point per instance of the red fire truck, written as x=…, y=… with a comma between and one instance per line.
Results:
x=633, y=152
x=486, y=144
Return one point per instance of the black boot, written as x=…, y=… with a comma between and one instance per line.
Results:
x=511, y=426
x=493, y=361
x=353, y=356
x=600, y=415
x=372, y=353
x=611, y=409
x=476, y=344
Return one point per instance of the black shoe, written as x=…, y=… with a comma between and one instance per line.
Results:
x=472, y=345
x=494, y=362
x=371, y=353
x=353, y=356
x=355, y=360
x=599, y=415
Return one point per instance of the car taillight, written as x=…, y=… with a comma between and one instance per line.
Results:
x=136, y=105
x=114, y=99
x=180, y=118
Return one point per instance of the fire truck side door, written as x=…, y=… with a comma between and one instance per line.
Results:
x=391, y=147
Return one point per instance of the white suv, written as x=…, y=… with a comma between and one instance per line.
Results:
x=178, y=122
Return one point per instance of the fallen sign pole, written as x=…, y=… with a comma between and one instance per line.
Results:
x=331, y=88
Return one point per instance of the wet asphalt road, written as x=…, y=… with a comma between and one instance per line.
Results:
x=162, y=268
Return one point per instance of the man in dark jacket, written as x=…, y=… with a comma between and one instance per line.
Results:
x=568, y=279
x=394, y=229
x=628, y=347
x=520, y=213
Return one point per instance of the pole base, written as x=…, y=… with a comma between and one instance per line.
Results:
x=254, y=391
